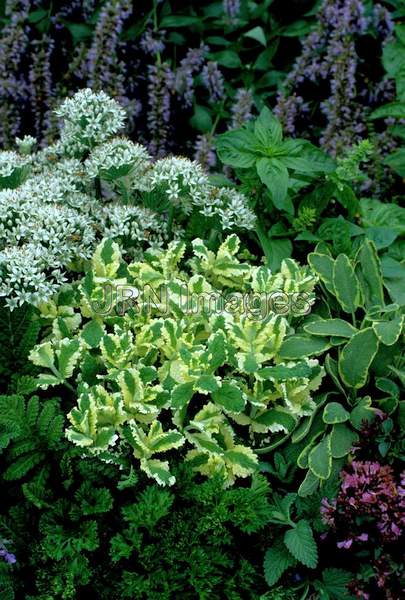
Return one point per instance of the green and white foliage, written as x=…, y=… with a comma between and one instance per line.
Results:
x=57, y=203
x=166, y=356
x=362, y=335
x=322, y=442
x=366, y=323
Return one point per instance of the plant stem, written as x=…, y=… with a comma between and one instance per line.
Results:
x=170, y=218
x=156, y=29
x=70, y=387
x=97, y=185
x=270, y=448
x=264, y=242
x=216, y=121
x=212, y=237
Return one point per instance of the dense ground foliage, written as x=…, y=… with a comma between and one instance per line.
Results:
x=202, y=275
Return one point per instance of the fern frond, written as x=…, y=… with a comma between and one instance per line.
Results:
x=19, y=331
x=30, y=430
x=46, y=417
x=128, y=481
x=32, y=411
x=22, y=447
x=55, y=429
x=23, y=385
x=36, y=491
x=23, y=465
x=11, y=412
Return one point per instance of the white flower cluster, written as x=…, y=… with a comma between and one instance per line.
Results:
x=231, y=206
x=131, y=225
x=13, y=168
x=89, y=119
x=187, y=186
x=53, y=188
x=58, y=202
x=117, y=158
x=25, y=144
x=183, y=181
x=37, y=241
x=8, y=162
x=46, y=229
x=25, y=276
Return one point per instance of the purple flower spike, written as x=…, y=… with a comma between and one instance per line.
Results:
x=329, y=56
x=231, y=9
x=152, y=44
x=105, y=70
x=204, y=151
x=242, y=109
x=160, y=89
x=213, y=81
x=9, y=557
x=189, y=66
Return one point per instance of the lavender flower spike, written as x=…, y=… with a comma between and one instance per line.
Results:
x=231, y=9
x=152, y=44
x=213, y=81
x=189, y=65
x=103, y=64
x=160, y=87
x=204, y=151
x=9, y=557
x=242, y=109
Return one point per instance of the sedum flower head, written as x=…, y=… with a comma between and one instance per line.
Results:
x=53, y=189
x=89, y=118
x=13, y=169
x=231, y=207
x=57, y=203
x=8, y=163
x=24, y=277
x=26, y=144
x=117, y=158
x=183, y=181
x=131, y=225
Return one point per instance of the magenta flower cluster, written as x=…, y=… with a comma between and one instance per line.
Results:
x=370, y=505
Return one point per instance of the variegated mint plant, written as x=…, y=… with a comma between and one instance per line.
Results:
x=180, y=353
